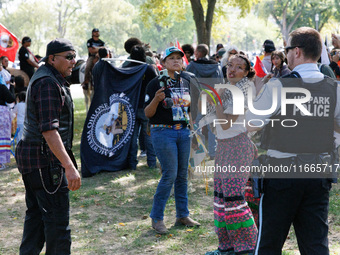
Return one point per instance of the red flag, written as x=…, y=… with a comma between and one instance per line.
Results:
x=185, y=57
x=8, y=43
x=260, y=70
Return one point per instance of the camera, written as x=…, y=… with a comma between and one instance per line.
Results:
x=163, y=77
x=163, y=80
x=12, y=79
x=335, y=52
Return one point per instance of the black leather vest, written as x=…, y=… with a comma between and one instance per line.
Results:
x=31, y=132
x=312, y=134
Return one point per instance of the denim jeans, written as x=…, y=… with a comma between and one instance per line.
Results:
x=140, y=128
x=47, y=216
x=172, y=148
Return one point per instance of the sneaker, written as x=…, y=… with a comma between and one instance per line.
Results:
x=158, y=226
x=142, y=154
x=187, y=221
x=218, y=252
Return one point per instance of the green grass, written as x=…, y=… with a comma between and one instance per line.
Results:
x=334, y=206
x=110, y=212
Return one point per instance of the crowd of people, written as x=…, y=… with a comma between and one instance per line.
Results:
x=170, y=107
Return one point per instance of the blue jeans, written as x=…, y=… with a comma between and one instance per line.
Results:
x=172, y=148
x=140, y=128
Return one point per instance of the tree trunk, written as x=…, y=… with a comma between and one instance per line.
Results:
x=203, y=24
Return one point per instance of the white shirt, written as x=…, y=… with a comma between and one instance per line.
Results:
x=6, y=75
x=265, y=99
x=267, y=62
x=20, y=109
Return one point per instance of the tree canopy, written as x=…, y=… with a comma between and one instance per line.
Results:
x=160, y=22
x=291, y=14
x=203, y=12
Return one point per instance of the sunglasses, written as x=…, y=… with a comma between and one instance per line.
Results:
x=291, y=47
x=68, y=57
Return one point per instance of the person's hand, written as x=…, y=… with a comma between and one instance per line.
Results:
x=160, y=95
x=335, y=57
x=210, y=100
x=267, y=77
x=335, y=41
x=73, y=178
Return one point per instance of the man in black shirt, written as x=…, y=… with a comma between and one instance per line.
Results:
x=93, y=45
x=44, y=155
x=27, y=59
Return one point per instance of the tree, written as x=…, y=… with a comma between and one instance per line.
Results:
x=66, y=11
x=247, y=33
x=159, y=32
x=290, y=14
x=159, y=9
x=31, y=19
x=325, y=9
x=40, y=22
x=4, y=2
x=115, y=22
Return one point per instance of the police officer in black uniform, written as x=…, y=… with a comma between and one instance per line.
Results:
x=297, y=196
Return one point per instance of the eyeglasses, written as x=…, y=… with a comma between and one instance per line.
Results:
x=68, y=57
x=292, y=47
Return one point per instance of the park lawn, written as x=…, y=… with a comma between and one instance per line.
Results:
x=110, y=212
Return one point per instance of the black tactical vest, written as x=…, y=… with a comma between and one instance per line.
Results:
x=312, y=134
x=31, y=132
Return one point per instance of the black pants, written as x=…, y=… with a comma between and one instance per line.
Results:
x=47, y=216
x=301, y=202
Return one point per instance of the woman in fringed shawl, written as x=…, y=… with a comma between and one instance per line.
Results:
x=234, y=222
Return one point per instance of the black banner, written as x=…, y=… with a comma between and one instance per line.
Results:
x=110, y=121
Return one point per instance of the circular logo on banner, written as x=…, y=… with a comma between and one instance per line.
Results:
x=5, y=40
x=110, y=127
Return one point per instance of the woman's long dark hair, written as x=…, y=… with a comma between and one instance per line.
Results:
x=281, y=55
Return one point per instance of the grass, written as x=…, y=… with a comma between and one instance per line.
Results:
x=110, y=212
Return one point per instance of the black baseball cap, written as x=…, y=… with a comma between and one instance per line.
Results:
x=56, y=46
x=268, y=46
x=95, y=30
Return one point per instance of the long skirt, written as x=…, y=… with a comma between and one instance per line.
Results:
x=5, y=134
x=234, y=222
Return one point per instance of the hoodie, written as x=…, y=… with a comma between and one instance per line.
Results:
x=205, y=68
